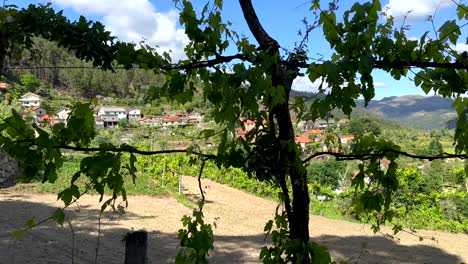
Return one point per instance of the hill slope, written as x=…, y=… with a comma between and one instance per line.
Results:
x=425, y=112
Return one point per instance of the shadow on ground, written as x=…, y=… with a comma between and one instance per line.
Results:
x=50, y=243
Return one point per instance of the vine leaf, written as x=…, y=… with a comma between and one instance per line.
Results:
x=59, y=216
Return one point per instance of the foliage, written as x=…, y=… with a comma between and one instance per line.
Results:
x=284, y=249
x=255, y=83
x=196, y=239
x=364, y=125
x=329, y=172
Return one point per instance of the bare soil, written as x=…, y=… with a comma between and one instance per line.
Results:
x=239, y=217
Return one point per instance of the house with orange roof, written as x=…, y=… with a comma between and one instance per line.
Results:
x=36, y=110
x=4, y=87
x=303, y=141
x=173, y=120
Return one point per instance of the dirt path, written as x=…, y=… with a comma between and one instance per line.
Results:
x=240, y=219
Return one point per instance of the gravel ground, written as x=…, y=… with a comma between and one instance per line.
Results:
x=239, y=218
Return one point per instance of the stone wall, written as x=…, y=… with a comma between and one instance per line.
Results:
x=9, y=169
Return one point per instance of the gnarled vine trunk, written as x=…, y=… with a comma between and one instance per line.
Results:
x=298, y=208
x=283, y=76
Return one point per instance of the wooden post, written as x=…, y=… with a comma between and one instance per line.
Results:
x=136, y=247
x=180, y=177
x=163, y=174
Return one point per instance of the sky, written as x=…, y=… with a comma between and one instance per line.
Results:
x=156, y=22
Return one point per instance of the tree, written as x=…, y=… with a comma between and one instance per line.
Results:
x=435, y=147
x=235, y=84
x=328, y=173
x=364, y=125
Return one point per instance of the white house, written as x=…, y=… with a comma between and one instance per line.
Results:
x=30, y=100
x=111, y=115
x=119, y=112
x=63, y=114
x=39, y=111
x=134, y=114
x=196, y=116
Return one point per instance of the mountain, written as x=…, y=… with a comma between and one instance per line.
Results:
x=424, y=112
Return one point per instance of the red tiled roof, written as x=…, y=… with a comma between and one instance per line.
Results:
x=241, y=132
x=299, y=140
x=172, y=119
x=313, y=132
x=47, y=117
x=4, y=85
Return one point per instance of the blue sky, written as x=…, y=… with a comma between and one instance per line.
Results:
x=155, y=21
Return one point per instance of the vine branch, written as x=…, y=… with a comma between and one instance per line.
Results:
x=122, y=149
x=366, y=156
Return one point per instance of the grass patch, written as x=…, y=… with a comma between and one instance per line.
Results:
x=144, y=184
x=184, y=200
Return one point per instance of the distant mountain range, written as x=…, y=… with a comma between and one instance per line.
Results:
x=424, y=112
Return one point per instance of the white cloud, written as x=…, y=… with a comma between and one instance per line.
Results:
x=134, y=21
x=303, y=84
x=419, y=9
x=461, y=47
x=381, y=85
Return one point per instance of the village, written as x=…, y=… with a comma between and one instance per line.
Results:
x=105, y=116
x=310, y=135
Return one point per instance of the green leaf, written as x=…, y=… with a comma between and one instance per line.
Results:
x=450, y=30
x=462, y=11
x=66, y=196
x=18, y=234
x=320, y=254
x=30, y=223
x=59, y=216
x=219, y=4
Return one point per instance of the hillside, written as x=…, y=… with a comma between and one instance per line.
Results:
x=424, y=112
x=416, y=111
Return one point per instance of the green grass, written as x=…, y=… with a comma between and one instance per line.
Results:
x=144, y=184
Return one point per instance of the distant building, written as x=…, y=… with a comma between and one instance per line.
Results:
x=344, y=121
x=98, y=122
x=4, y=87
x=346, y=139
x=173, y=120
x=110, y=115
x=151, y=120
x=37, y=113
x=46, y=119
x=323, y=123
x=302, y=141
x=119, y=112
x=195, y=116
x=134, y=114
x=62, y=115
x=30, y=100
x=250, y=124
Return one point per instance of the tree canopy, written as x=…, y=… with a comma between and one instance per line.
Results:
x=253, y=83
